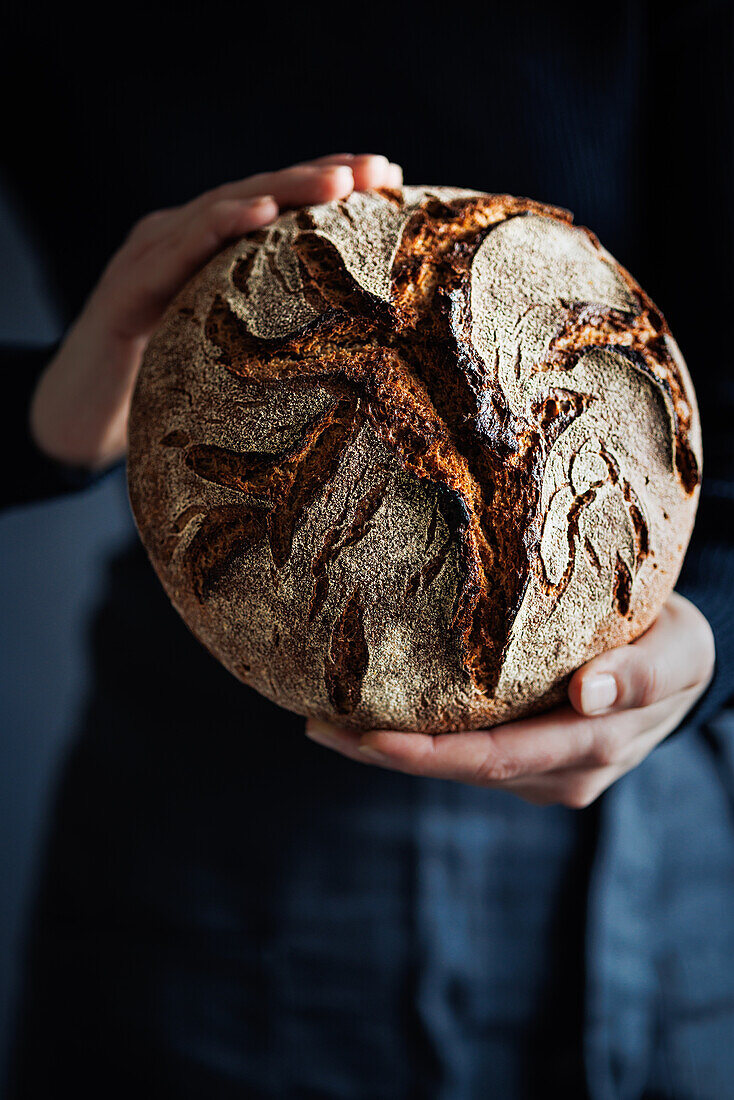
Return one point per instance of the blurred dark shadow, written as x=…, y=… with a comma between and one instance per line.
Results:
x=50, y=563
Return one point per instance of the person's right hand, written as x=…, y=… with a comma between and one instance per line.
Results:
x=80, y=407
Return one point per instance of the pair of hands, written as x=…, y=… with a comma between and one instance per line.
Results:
x=622, y=704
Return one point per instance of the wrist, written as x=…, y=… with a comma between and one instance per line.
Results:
x=78, y=410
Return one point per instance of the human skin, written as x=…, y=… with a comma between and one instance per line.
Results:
x=621, y=704
x=80, y=406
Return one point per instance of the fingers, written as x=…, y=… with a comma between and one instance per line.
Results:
x=167, y=247
x=101, y=354
x=346, y=742
x=368, y=169
x=298, y=186
x=550, y=742
x=301, y=185
x=674, y=655
x=565, y=756
x=151, y=228
x=624, y=703
x=149, y=271
x=205, y=234
x=483, y=757
x=486, y=757
x=550, y=748
x=328, y=178
x=574, y=788
x=375, y=171
x=577, y=787
x=394, y=177
x=323, y=180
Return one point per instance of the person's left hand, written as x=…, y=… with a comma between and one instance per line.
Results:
x=623, y=703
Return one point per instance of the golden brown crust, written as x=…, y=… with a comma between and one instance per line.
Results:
x=409, y=459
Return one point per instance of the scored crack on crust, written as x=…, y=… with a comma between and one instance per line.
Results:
x=408, y=459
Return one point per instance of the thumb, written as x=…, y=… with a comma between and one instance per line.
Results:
x=676, y=654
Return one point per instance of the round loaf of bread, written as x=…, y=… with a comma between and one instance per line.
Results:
x=408, y=460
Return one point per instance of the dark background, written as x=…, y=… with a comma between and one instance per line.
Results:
x=51, y=556
x=158, y=94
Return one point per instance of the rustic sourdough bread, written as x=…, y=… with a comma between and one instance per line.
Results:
x=409, y=459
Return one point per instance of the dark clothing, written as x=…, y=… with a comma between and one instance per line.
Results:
x=229, y=910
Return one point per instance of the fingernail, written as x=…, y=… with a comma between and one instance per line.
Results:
x=261, y=200
x=598, y=693
x=372, y=754
x=336, y=170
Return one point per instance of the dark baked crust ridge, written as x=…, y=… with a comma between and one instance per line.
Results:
x=390, y=337
x=408, y=368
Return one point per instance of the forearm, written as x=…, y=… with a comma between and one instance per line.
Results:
x=30, y=474
x=78, y=410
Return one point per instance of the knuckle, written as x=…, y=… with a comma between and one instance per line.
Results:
x=214, y=222
x=579, y=794
x=209, y=198
x=147, y=222
x=649, y=686
x=153, y=216
x=606, y=748
x=675, y=606
x=495, y=768
x=218, y=218
x=219, y=210
x=698, y=630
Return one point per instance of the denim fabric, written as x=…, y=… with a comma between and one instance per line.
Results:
x=228, y=917
x=229, y=910
x=660, y=948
